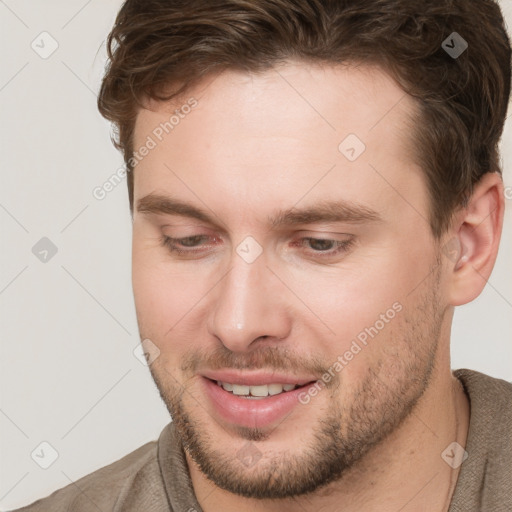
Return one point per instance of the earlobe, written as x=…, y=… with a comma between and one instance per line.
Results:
x=475, y=240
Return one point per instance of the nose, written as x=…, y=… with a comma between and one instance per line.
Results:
x=248, y=305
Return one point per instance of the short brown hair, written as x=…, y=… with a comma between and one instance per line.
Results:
x=462, y=101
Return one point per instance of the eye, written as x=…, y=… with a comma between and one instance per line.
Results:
x=184, y=245
x=326, y=247
x=318, y=247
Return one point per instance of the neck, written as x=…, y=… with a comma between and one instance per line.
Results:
x=405, y=472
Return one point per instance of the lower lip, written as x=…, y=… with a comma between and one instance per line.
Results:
x=252, y=413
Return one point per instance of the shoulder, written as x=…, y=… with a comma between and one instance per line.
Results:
x=491, y=407
x=484, y=479
x=485, y=392
x=108, y=487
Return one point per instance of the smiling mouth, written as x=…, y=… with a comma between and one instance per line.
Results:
x=258, y=392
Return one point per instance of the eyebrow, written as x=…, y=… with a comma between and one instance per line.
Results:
x=324, y=211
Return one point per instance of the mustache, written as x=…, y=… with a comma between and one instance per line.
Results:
x=267, y=358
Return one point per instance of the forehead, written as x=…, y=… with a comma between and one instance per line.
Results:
x=329, y=99
x=280, y=132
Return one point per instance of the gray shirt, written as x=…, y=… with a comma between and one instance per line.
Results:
x=155, y=477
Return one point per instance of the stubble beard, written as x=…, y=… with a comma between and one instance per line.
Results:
x=350, y=428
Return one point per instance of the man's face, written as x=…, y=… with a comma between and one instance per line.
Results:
x=351, y=300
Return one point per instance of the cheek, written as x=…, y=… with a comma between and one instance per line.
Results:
x=365, y=301
x=164, y=295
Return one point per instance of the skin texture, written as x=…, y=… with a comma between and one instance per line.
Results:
x=257, y=144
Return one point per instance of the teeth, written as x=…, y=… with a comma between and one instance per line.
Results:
x=275, y=389
x=240, y=390
x=259, y=390
x=227, y=386
x=256, y=391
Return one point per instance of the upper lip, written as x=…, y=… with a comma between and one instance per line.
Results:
x=246, y=378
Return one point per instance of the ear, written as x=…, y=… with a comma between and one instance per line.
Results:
x=475, y=238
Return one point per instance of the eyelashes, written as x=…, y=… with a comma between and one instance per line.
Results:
x=321, y=248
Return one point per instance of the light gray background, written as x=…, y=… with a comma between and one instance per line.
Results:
x=68, y=373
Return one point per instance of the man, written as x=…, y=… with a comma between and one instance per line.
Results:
x=314, y=187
